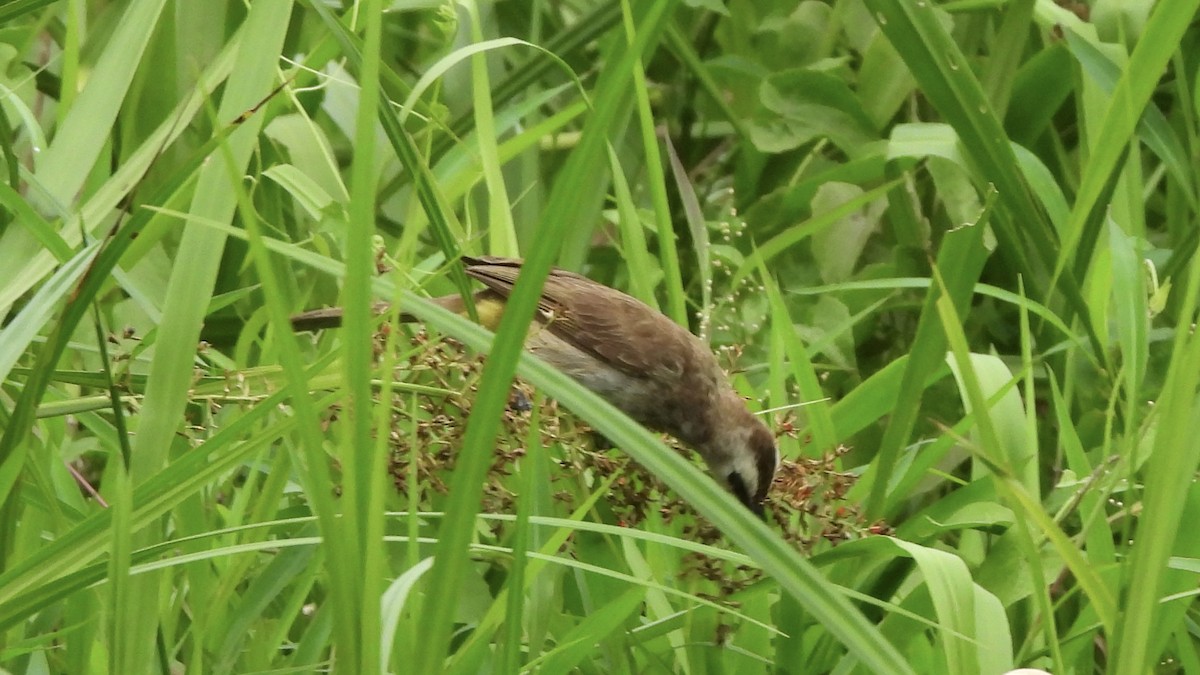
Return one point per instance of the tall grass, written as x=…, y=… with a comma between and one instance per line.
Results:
x=961, y=234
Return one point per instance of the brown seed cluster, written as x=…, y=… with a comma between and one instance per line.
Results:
x=808, y=501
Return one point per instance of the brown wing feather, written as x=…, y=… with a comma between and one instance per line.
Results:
x=618, y=329
x=500, y=275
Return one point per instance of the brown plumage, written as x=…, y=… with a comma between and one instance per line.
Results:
x=633, y=356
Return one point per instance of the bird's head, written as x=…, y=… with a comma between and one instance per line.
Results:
x=744, y=458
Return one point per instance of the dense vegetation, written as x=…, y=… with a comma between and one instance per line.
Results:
x=962, y=234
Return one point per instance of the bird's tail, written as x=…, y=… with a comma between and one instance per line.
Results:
x=331, y=317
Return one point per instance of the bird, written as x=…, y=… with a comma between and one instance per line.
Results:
x=638, y=359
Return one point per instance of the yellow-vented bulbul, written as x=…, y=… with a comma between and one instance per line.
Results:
x=635, y=357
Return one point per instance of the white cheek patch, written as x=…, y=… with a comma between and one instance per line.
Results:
x=745, y=465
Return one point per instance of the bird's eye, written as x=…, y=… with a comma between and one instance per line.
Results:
x=739, y=489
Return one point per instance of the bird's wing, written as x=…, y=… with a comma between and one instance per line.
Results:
x=616, y=328
x=500, y=275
